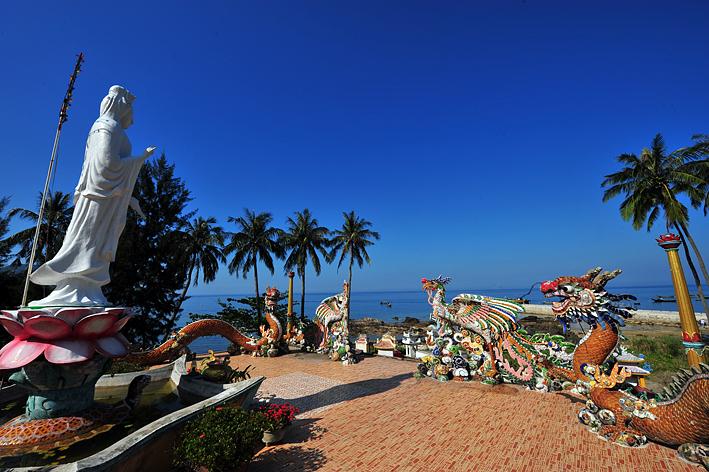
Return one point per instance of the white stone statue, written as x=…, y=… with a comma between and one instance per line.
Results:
x=101, y=201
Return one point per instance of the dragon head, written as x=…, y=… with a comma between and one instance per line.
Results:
x=585, y=299
x=272, y=295
x=433, y=285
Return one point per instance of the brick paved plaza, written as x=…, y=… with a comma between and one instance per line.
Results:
x=375, y=416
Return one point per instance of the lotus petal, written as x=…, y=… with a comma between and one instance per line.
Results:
x=20, y=352
x=47, y=327
x=117, y=311
x=94, y=325
x=8, y=314
x=73, y=315
x=13, y=327
x=112, y=346
x=118, y=325
x=68, y=351
x=26, y=314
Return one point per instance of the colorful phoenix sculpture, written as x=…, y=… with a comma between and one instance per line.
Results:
x=476, y=336
x=329, y=316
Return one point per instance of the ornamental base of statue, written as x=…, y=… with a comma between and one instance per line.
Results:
x=62, y=353
x=59, y=390
x=73, y=292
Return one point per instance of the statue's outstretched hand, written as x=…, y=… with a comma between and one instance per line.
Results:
x=149, y=151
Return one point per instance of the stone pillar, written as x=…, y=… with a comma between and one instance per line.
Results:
x=290, y=327
x=691, y=338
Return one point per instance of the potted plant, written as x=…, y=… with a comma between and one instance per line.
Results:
x=277, y=417
x=221, y=440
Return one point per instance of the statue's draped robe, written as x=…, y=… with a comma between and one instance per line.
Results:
x=101, y=202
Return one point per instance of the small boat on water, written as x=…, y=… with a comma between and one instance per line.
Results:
x=386, y=303
x=670, y=298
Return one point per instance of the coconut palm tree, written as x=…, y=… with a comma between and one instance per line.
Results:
x=201, y=242
x=55, y=221
x=254, y=241
x=304, y=238
x=651, y=183
x=699, y=154
x=4, y=227
x=351, y=242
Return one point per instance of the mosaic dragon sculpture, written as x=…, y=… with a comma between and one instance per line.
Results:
x=175, y=346
x=617, y=411
x=584, y=299
x=486, y=330
x=328, y=314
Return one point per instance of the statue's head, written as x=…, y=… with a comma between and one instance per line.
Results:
x=118, y=105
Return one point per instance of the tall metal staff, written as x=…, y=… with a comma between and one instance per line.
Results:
x=63, y=116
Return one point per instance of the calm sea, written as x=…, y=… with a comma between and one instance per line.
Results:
x=406, y=303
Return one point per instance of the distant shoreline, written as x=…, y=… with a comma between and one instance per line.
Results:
x=640, y=317
x=691, y=287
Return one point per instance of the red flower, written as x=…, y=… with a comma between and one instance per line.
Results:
x=279, y=415
x=201, y=436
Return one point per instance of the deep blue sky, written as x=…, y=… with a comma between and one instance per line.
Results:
x=473, y=136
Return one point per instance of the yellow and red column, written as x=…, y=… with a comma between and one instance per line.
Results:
x=290, y=327
x=691, y=338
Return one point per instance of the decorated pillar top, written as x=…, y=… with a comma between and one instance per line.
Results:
x=291, y=274
x=669, y=241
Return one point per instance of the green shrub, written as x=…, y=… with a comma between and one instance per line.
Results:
x=220, y=440
x=665, y=353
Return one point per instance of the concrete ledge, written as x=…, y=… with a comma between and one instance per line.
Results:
x=123, y=380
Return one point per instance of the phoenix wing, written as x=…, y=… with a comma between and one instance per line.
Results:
x=496, y=314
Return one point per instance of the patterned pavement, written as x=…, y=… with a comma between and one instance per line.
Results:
x=375, y=416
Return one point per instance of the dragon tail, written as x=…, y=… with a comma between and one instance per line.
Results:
x=683, y=414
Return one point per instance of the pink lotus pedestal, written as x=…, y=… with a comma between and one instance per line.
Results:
x=62, y=353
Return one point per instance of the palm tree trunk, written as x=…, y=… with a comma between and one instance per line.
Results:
x=258, y=297
x=697, y=280
x=49, y=241
x=302, y=295
x=181, y=300
x=700, y=260
x=346, y=318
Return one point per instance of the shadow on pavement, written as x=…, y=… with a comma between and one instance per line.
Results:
x=349, y=391
x=290, y=458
